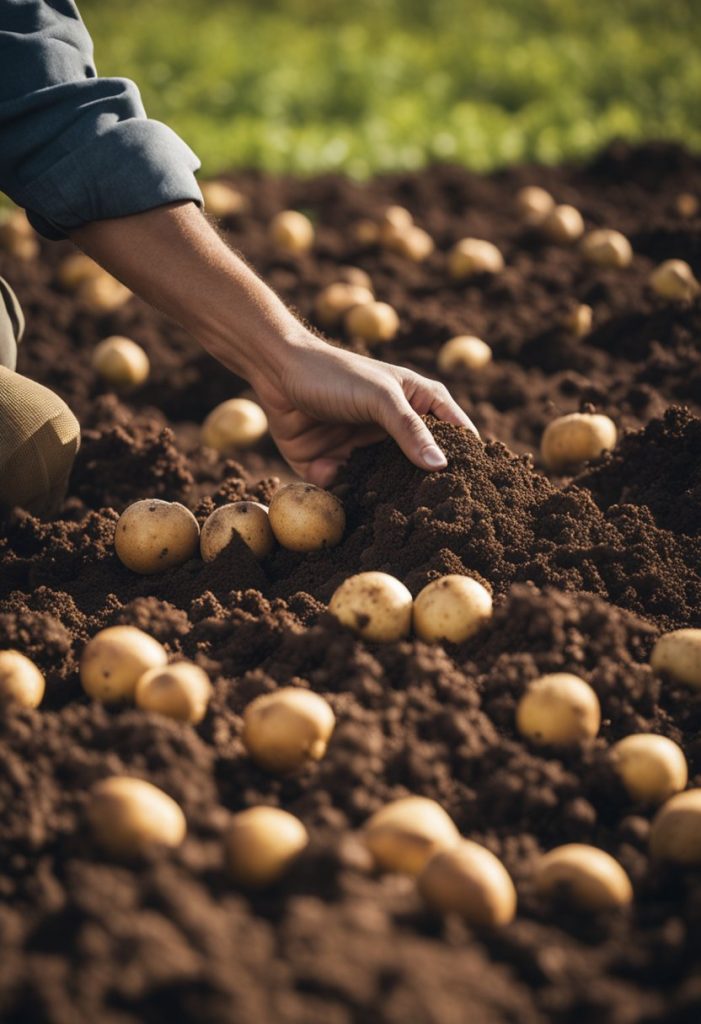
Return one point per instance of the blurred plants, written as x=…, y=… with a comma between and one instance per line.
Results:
x=310, y=85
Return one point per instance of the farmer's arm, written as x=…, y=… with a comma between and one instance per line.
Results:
x=321, y=401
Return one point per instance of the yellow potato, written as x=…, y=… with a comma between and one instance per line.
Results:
x=578, y=321
x=248, y=519
x=287, y=728
x=374, y=605
x=261, y=844
x=563, y=225
x=470, y=881
x=570, y=440
x=588, y=877
x=292, y=231
x=306, y=518
x=77, y=268
x=181, y=691
x=678, y=654
x=103, y=294
x=559, y=708
x=336, y=300
x=221, y=199
x=21, y=682
x=451, y=608
x=471, y=257
x=676, y=830
x=115, y=659
x=374, y=322
x=674, y=280
x=233, y=425
x=607, y=248
x=404, y=834
x=534, y=204
x=464, y=352
x=153, y=535
x=652, y=768
x=121, y=362
x=128, y=815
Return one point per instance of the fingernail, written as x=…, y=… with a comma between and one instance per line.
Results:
x=433, y=457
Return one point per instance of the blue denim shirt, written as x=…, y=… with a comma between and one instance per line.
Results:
x=74, y=147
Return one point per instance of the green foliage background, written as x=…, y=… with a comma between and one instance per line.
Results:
x=309, y=85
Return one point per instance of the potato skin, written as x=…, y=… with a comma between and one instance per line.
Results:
x=152, y=536
x=306, y=518
x=21, y=682
x=374, y=605
x=248, y=519
x=114, y=660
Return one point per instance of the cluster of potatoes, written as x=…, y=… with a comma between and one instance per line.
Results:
x=95, y=289
x=17, y=236
x=350, y=301
x=153, y=535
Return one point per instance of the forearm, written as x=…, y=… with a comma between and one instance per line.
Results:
x=176, y=261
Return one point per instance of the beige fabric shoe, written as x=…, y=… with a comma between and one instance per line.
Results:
x=39, y=438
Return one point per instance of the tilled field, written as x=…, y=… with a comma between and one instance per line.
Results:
x=585, y=574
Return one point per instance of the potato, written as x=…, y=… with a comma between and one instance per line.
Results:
x=77, y=268
x=261, y=843
x=221, y=199
x=534, y=204
x=395, y=218
x=652, y=768
x=365, y=232
x=285, y=729
x=306, y=518
x=292, y=231
x=103, y=294
x=558, y=709
x=249, y=519
x=121, y=362
x=181, y=690
x=115, y=659
x=607, y=248
x=336, y=300
x=153, y=535
x=233, y=425
x=588, y=877
x=451, y=608
x=374, y=605
x=17, y=236
x=413, y=243
x=678, y=654
x=570, y=440
x=674, y=280
x=128, y=815
x=687, y=204
x=404, y=834
x=355, y=276
x=676, y=829
x=21, y=682
x=464, y=352
x=563, y=225
x=578, y=321
x=470, y=881
x=374, y=322
x=471, y=257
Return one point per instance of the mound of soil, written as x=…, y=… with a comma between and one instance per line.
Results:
x=584, y=572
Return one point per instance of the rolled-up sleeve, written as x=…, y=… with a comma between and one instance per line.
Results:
x=75, y=147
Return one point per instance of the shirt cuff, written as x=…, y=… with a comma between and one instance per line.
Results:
x=136, y=165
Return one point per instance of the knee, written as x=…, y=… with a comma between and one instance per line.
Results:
x=39, y=439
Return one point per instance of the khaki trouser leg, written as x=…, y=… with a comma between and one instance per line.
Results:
x=39, y=438
x=11, y=325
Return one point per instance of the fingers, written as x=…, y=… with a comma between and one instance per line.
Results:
x=430, y=396
x=410, y=432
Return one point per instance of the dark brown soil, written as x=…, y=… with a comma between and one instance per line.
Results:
x=585, y=573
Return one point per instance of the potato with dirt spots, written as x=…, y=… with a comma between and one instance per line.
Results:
x=128, y=816
x=471, y=257
x=306, y=518
x=678, y=654
x=676, y=830
x=404, y=834
x=463, y=352
x=652, y=768
x=589, y=878
x=374, y=322
x=292, y=232
x=21, y=682
x=451, y=608
x=571, y=440
x=284, y=730
x=121, y=362
x=248, y=519
x=181, y=691
x=152, y=536
x=261, y=844
x=470, y=881
x=115, y=659
x=234, y=425
x=559, y=709
x=374, y=605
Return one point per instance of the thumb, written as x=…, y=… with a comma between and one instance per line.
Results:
x=410, y=432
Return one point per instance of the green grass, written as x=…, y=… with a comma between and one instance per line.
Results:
x=309, y=85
